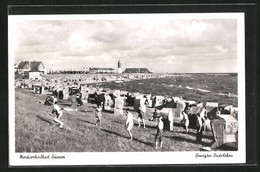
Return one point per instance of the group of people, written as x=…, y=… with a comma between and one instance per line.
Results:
x=160, y=125
x=129, y=120
x=57, y=110
x=200, y=124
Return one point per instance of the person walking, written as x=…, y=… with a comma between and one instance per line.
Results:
x=141, y=113
x=58, y=111
x=200, y=129
x=158, y=136
x=79, y=102
x=129, y=123
x=185, y=120
x=99, y=115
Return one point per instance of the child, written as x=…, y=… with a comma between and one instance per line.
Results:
x=186, y=121
x=129, y=123
x=99, y=115
x=59, y=113
x=158, y=136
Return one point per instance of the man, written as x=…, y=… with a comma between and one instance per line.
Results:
x=141, y=113
x=200, y=129
x=59, y=113
x=79, y=102
x=129, y=123
x=155, y=114
x=164, y=101
x=158, y=136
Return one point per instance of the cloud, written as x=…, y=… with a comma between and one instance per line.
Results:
x=158, y=44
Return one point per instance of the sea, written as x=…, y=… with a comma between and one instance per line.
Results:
x=221, y=88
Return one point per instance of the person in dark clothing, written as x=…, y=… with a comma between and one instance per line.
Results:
x=100, y=100
x=128, y=98
x=146, y=101
x=79, y=102
x=164, y=101
x=200, y=129
x=155, y=114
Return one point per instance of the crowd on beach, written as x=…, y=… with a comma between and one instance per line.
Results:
x=157, y=117
x=80, y=95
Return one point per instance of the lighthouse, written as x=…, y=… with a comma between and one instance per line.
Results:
x=119, y=69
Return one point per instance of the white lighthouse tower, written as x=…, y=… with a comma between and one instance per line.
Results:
x=119, y=69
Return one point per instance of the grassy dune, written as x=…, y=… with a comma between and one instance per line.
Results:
x=35, y=130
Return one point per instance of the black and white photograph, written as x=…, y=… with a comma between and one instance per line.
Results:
x=108, y=89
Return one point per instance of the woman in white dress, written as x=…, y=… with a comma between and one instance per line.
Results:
x=186, y=121
x=129, y=123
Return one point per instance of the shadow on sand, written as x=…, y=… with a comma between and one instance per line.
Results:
x=146, y=126
x=65, y=104
x=43, y=119
x=204, y=136
x=120, y=135
x=136, y=125
x=85, y=121
x=178, y=138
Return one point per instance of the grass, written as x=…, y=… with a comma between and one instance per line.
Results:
x=35, y=130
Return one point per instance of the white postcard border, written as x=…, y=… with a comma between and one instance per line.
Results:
x=129, y=158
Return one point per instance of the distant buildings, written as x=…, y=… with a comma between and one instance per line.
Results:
x=101, y=70
x=136, y=70
x=31, y=69
x=119, y=70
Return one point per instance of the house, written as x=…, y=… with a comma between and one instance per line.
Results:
x=32, y=69
x=15, y=68
x=101, y=70
x=136, y=70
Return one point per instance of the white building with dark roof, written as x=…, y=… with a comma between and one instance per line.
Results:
x=32, y=69
x=136, y=70
x=101, y=70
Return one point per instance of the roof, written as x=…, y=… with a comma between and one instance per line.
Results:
x=35, y=66
x=227, y=118
x=22, y=64
x=209, y=109
x=195, y=110
x=137, y=70
x=96, y=68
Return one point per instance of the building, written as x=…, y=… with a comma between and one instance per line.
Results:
x=15, y=68
x=101, y=70
x=32, y=69
x=136, y=70
x=119, y=69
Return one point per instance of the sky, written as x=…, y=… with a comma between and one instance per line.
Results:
x=159, y=44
